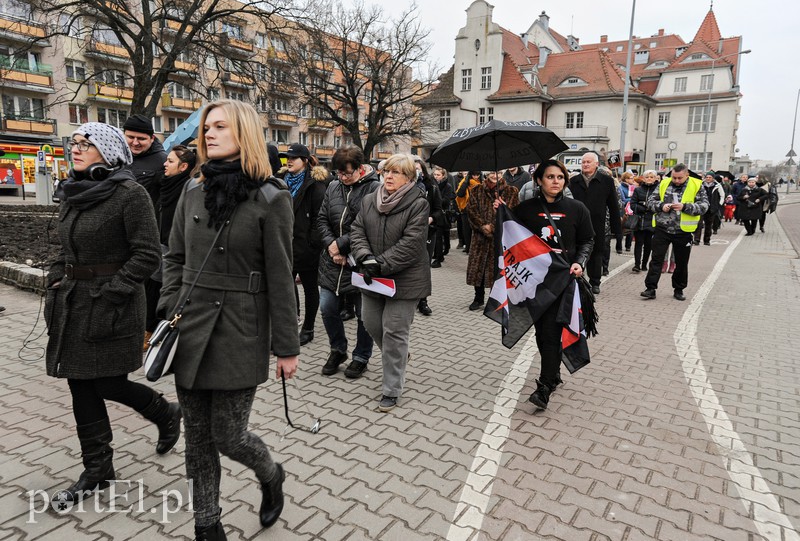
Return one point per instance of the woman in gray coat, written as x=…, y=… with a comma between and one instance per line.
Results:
x=95, y=301
x=389, y=240
x=242, y=307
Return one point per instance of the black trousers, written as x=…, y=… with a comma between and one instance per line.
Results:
x=309, y=280
x=460, y=229
x=681, y=248
x=750, y=225
x=548, y=341
x=89, y=396
x=595, y=264
x=762, y=219
x=706, y=226
x=642, y=247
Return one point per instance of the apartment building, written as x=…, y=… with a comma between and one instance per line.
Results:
x=50, y=85
x=683, y=102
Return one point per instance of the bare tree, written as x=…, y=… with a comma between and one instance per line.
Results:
x=356, y=68
x=193, y=42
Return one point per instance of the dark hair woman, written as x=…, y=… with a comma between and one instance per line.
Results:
x=242, y=308
x=95, y=302
x=307, y=183
x=574, y=239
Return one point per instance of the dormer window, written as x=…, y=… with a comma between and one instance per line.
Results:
x=679, y=51
x=573, y=81
x=619, y=48
x=697, y=57
x=657, y=64
x=641, y=57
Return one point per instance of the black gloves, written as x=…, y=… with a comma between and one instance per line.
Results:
x=370, y=268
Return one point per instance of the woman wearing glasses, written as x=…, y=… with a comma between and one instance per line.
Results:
x=389, y=239
x=242, y=307
x=95, y=301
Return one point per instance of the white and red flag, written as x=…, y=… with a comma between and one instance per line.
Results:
x=574, y=347
x=530, y=276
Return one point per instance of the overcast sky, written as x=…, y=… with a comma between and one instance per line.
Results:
x=769, y=76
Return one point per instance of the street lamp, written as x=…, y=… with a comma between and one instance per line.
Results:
x=708, y=104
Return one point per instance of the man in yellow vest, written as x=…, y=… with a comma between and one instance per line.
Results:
x=676, y=206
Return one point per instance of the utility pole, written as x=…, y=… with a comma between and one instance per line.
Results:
x=791, y=154
x=624, y=127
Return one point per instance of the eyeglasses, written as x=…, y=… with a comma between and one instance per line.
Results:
x=83, y=146
x=345, y=174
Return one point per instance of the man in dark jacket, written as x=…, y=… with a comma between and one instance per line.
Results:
x=597, y=191
x=341, y=205
x=517, y=177
x=148, y=168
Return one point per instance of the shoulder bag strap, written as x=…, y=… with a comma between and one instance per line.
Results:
x=179, y=311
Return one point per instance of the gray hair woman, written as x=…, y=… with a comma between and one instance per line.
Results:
x=388, y=239
x=94, y=306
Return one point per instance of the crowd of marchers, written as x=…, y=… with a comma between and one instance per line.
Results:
x=243, y=227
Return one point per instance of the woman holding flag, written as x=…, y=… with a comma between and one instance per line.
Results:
x=566, y=226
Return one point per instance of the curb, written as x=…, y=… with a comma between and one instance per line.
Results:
x=23, y=277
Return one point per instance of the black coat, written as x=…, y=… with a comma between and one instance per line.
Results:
x=600, y=196
x=148, y=168
x=752, y=207
x=519, y=180
x=306, y=239
x=340, y=206
x=639, y=205
x=448, y=196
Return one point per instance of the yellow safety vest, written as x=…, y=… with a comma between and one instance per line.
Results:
x=688, y=221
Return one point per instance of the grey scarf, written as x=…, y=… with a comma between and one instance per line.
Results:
x=387, y=201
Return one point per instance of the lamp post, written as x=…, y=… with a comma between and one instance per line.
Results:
x=791, y=154
x=624, y=127
x=708, y=104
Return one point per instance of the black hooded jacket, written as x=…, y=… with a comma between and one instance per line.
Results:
x=148, y=168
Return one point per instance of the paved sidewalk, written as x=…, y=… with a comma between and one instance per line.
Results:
x=686, y=425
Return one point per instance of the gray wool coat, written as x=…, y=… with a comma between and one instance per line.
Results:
x=96, y=326
x=243, y=305
x=398, y=239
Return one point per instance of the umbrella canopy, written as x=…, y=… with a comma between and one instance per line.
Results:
x=496, y=145
x=185, y=133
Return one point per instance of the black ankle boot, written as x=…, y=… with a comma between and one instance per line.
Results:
x=167, y=417
x=97, y=455
x=211, y=533
x=541, y=396
x=272, y=498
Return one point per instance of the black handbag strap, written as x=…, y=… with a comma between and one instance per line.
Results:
x=179, y=311
x=556, y=232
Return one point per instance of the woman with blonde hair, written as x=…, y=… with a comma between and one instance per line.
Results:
x=388, y=239
x=243, y=305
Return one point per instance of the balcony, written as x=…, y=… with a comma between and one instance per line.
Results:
x=106, y=51
x=282, y=88
x=187, y=67
x=171, y=26
x=236, y=45
x=235, y=80
x=22, y=31
x=30, y=126
x=36, y=80
x=382, y=155
x=179, y=105
x=585, y=133
x=280, y=117
x=320, y=124
x=110, y=93
x=323, y=151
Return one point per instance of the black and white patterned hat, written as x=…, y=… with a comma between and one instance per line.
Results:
x=110, y=142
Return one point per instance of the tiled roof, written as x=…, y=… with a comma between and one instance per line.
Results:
x=593, y=66
x=562, y=41
x=709, y=30
x=442, y=94
x=523, y=55
x=512, y=83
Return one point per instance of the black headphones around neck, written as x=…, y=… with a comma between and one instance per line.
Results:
x=96, y=171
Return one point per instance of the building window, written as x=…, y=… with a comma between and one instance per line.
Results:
x=78, y=114
x=658, y=163
x=177, y=90
x=71, y=24
x=263, y=103
x=277, y=43
x=157, y=127
x=466, y=79
x=641, y=57
x=280, y=136
x=574, y=120
x=489, y=114
x=173, y=123
x=233, y=95
x=76, y=71
x=318, y=139
x=637, y=114
x=698, y=161
x=213, y=94
x=233, y=30
x=21, y=107
x=444, y=120
x=481, y=115
x=707, y=83
x=337, y=141
x=302, y=138
x=680, y=84
x=663, y=125
x=115, y=117
x=302, y=112
x=16, y=9
x=281, y=105
x=486, y=78
x=699, y=120
x=261, y=40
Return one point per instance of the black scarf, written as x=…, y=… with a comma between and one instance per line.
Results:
x=171, y=188
x=83, y=193
x=226, y=186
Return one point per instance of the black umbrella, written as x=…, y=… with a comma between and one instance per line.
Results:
x=496, y=145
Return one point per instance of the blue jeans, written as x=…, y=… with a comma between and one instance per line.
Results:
x=334, y=326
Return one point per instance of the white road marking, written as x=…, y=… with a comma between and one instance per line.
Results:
x=764, y=507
